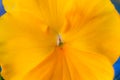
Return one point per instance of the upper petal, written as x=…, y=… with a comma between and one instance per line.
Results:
x=95, y=29
x=53, y=12
x=49, y=11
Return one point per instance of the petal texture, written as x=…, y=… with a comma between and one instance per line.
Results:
x=22, y=48
x=70, y=64
x=29, y=34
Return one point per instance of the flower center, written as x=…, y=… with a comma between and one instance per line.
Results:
x=59, y=40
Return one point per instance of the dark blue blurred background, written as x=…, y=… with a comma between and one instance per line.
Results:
x=2, y=11
x=117, y=4
x=116, y=65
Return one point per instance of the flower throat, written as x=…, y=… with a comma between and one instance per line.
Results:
x=59, y=40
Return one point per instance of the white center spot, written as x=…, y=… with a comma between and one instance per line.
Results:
x=59, y=40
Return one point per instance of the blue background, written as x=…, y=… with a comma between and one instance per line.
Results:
x=116, y=65
x=117, y=4
x=2, y=11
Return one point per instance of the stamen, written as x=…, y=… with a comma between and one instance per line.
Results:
x=59, y=41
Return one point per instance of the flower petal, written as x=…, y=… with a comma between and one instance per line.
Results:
x=22, y=47
x=94, y=30
x=53, y=12
x=71, y=64
x=49, y=11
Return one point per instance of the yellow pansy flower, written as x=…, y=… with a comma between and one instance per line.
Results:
x=59, y=40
